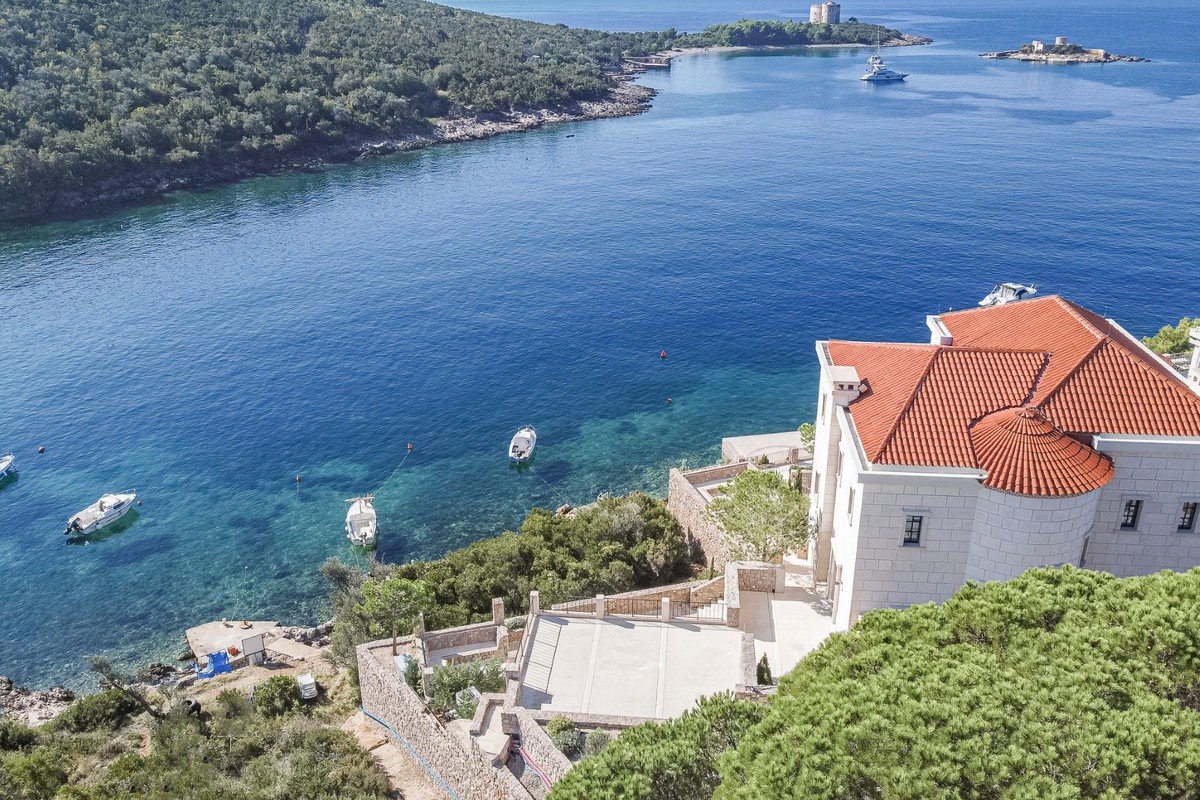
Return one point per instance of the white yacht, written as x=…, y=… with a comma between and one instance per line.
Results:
x=1007, y=293
x=877, y=71
x=105, y=511
x=361, y=521
x=522, y=444
x=7, y=464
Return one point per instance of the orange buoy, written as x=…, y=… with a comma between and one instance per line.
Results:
x=663, y=355
x=410, y=447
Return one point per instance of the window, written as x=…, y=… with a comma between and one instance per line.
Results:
x=1187, y=518
x=913, y=523
x=1130, y=515
x=850, y=505
x=816, y=483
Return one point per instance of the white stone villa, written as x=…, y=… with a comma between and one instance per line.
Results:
x=1030, y=434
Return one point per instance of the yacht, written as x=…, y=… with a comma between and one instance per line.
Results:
x=7, y=464
x=522, y=444
x=877, y=71
x=361, y=521
x=105, y=511
x=1007, y=293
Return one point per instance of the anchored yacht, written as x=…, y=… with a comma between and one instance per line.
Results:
x=877, y=71
x=105, y=511
x=361, y=521
x=7, y=464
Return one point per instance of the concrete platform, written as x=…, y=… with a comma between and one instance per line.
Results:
x=212, y=637
x=787, y=625
x=626, y=668
x=779, y=448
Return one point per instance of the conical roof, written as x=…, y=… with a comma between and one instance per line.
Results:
x=1024, y=453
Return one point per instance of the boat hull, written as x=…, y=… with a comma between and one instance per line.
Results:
x=92, y=520
x=362, y=522
x=521, y=448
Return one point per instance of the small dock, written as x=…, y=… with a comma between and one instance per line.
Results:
x=648, y=62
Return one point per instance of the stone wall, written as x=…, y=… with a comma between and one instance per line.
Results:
x=465, y=768
x=753, y=576
x=708, y=591
x=536, y=742
x=689, y=507
x=478, y=633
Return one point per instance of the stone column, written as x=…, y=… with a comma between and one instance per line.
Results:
x=666, y=609
x=535, y=606
x=419, y=627
x=601, y=606
x=497, y=610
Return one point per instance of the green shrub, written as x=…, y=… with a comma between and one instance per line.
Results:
x=1172, y=338
x=15, y=736
x=764, y=671
x=565, y=735
x=595, y=742
x=232, y=704
x=277, y=696
x=412, y=676
x=36, y=775
x=449, y=680
x=105, y=710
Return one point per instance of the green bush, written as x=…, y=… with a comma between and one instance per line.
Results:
x=36, y=775
x=565, y=735
x=449, y=680
x=15, y=736
x=102, y=711
x=1172, y=338
x=277, y=696
x=412, y=676
x=595, y=742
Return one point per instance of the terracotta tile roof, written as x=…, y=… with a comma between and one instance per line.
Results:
x=1024, y=453
x=1081, y=373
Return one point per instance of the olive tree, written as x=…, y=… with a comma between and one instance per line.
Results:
x=762, y=516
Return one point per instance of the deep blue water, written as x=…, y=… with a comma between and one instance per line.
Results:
x=208, y=348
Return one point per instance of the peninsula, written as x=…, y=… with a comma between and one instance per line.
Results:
x=104, y=100
x=1061, y=52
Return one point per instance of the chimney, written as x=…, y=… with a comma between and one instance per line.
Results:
x=939, y=334
x=846, y=385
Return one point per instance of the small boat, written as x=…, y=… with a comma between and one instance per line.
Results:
x=7, y=464
x=361, y=521
x=522, y=444
x=1007, y=293
x=877, y=71
x=105, y=511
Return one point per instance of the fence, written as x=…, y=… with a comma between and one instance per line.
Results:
x=713, y=612
x=633, y=606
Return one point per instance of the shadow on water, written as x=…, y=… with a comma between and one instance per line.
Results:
x=104, y=534
x=8, y=480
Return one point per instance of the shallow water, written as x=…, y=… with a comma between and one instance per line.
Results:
x=207, y=348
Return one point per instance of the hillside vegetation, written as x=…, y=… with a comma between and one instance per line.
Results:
x=1059, y=684
x=115, y=98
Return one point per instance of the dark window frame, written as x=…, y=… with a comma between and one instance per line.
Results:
x=914, y=528
x=1131, y=514
x=1187, y=517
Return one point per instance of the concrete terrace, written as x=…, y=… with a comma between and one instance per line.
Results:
x=789, y=624
x=626, y=668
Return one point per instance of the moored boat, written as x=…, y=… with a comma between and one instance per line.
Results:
x=361, y=521
x=8, y=463
x=877, y=71
x=522, y=444
x=1008, y=293
x=105, y=511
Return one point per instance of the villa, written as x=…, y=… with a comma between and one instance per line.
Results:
x=1030, y=434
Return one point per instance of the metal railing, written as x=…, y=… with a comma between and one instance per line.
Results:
x=714, y=611
x=633, y=606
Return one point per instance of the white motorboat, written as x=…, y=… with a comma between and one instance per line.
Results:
x=1007, y=293
x=105, y=511
x=522, y=444
x=8, y=463
x=877, y=71
x=361, y=521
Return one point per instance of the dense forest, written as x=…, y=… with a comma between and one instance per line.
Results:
x=98, y=96
x=1062, y=683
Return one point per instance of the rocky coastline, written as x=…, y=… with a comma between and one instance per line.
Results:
x=32, y=707
x=1085, y=57
x=626, y=98
x=903, y=40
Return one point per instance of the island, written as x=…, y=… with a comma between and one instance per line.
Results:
x=1061, y=52
x=107, y=101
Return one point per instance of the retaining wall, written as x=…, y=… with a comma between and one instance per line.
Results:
x=536, y=742
x=465, y=768
x=690, y=509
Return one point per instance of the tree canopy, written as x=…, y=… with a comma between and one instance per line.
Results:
x=98, y=96
x=1062, y=683
x=1172, y=338
x=763, y=517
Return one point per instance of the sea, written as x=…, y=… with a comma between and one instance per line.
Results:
x=249, y=357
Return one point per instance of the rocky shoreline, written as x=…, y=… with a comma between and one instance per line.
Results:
x=32, y=707
x=1061, y=58
x=625, y=99
x=903, y=40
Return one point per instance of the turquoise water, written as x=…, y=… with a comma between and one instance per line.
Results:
x=207, y=348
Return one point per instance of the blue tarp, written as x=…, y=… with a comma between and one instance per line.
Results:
x=217, y=664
